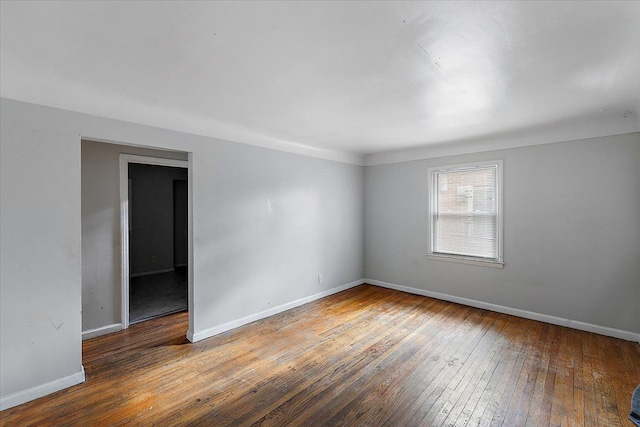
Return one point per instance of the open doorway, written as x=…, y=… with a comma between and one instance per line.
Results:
x=157, y=241
x=154, y=195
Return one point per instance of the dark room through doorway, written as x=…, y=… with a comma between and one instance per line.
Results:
x=158, y=249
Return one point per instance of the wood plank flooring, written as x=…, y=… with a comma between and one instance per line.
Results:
x=367, y=356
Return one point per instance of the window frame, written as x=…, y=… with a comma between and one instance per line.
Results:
x=432, y=171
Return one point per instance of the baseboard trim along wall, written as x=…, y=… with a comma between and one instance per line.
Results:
x=103, y=330
x=198, y=336
x=20, y=397
x=588, y=327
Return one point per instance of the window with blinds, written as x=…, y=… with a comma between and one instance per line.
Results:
x=465, y=212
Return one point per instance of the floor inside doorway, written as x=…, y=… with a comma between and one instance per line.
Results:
x=157, y=295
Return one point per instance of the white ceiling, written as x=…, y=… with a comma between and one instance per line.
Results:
x=347, y=77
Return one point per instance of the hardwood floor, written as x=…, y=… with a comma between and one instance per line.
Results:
x=366, y=356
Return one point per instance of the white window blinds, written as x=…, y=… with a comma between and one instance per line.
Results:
x=464, y=211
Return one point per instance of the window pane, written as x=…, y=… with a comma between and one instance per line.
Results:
x=465, y=220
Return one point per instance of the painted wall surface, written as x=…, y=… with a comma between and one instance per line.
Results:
x=151, y=245
x=101, y=258
x=571, y=231
x=40, y=332
x=180, y=223
x=265, y=224
x=270, y=224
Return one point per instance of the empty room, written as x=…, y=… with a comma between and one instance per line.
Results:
x=319, y=213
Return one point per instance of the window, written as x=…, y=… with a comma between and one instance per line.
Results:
x=465, y=213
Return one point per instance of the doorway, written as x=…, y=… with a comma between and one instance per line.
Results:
x=154, y=195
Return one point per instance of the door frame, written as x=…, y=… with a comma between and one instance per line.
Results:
x=125, y=160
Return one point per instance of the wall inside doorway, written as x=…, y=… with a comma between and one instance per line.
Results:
x=101, y=261
x=151, y=205
x=180, y=223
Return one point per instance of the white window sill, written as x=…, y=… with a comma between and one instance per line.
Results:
x=465, y=260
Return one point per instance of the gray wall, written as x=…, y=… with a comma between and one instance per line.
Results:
x=180, y=223
x=101, y=262
x=40, y=332
x=271, y=222
x=151, y=213
x=265, y=223
x=571, y=227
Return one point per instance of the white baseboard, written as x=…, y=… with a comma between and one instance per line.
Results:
x=602, y=330
x=103, y=330
x=149, y=273
x=198, y=336
x=20, y=397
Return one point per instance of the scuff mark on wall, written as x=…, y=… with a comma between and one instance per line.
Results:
x=57, y=328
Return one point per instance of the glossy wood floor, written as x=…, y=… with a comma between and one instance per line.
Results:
x=366, y=356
